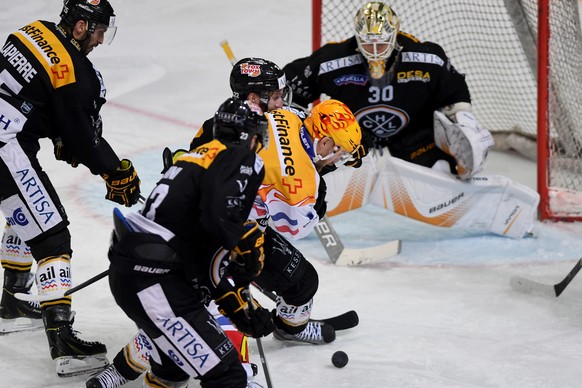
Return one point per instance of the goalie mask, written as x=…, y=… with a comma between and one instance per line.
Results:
x=99, y=15
x=257, y=75
x=237, y=121
x=332, y=118
x=376, y=29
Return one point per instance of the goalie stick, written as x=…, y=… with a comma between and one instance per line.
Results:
x=338, y=254
x=519, y=283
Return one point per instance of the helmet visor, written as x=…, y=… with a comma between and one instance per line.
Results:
x=105, y=33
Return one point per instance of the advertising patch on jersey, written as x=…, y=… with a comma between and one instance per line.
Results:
x=250, y=69
x=433, y=59
x=340, y=63
x=354, y=79
x=403, y=77
x=382, y=120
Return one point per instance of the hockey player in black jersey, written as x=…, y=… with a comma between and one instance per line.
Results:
x=414, y=107
x=190, y=244
x=50, y=89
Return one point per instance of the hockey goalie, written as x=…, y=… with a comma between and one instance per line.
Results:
x=425, y=149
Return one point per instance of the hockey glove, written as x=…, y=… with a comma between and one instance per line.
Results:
x=249, y=255
x=233, y=305
x=361, y=150
x=62, y=153
x=122, y=184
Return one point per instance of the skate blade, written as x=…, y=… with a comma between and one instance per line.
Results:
x=16, y=325
x=68, y=366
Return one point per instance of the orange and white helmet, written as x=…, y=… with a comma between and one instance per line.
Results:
x=332, y=118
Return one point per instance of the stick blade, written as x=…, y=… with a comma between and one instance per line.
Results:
x=529, y=286
x=37, y=298
x=353, y=257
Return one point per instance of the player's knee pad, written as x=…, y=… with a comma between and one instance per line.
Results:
x=286, y=270
x=53, y=277
x=304, y=288
x=55, y=243
x=14, y=253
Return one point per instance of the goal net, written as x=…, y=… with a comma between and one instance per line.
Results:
x=495, y=44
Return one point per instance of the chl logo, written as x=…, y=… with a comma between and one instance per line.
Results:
x=382, y=120
x=18, y=218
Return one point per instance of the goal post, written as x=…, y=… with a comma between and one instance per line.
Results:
x=523, y=64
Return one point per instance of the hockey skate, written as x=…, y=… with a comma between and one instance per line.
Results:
x=73, y=355
x=315, y=332
x=17, y=315
x=107, y=378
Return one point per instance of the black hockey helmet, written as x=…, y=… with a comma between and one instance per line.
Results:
x=93, y=11
x=237, y=121
x=256, y=75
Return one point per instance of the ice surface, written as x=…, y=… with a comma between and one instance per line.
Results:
x=441, y=314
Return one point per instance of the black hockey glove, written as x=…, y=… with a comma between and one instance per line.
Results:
x=361, y=150
x=249, y=255
x=233, y=304
x=62, y=153
x=122, y=184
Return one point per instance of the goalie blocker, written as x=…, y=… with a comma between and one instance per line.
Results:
x=487, y=204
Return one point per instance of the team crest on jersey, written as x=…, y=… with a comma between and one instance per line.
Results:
x=250, y=69
x=382, y=120
x=354, y=79
x=94, y=2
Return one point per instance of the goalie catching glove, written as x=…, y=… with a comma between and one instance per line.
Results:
x=122, y=184
x=256, y=323
x=462, y=138
x=248, y=256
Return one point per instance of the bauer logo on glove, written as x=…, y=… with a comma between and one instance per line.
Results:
x=122, y=184
x=248, y=256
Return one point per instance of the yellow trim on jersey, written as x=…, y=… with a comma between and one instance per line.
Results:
x=289, y=171
x=203, y=155
x=50, y=52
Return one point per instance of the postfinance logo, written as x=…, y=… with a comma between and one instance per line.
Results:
x=49, y=51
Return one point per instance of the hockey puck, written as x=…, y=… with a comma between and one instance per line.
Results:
x=339, y=359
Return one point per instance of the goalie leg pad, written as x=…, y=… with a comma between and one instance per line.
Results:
x=348, y=188
x=488, y=204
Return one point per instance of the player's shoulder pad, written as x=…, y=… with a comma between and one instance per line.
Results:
x=204, y=154
x=414, y=50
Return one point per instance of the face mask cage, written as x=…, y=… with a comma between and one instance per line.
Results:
x=376, y=30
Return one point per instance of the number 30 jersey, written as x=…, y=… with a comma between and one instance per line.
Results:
x=397, y=110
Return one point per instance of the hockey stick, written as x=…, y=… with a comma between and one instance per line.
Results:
x=249, y=299
x=327, y=235
x=519, y=283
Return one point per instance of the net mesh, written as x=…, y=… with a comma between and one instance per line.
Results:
x=493, y=42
